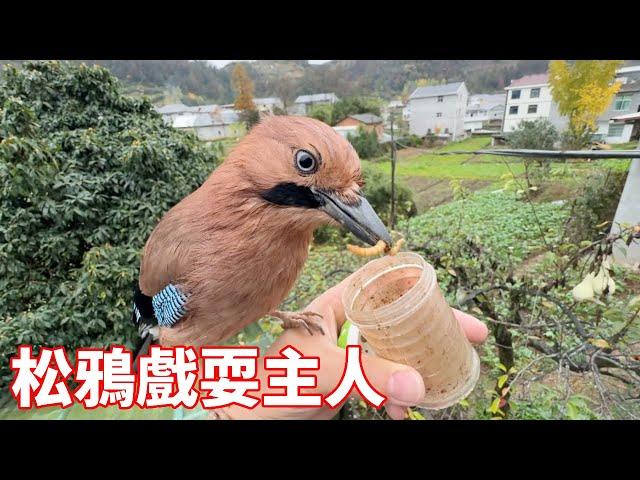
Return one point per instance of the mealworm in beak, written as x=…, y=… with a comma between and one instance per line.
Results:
x=377, y=249
x=396, y=248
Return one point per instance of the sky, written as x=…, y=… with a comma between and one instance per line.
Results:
x=222, y=63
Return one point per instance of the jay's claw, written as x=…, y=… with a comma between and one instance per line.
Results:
x=300, y=319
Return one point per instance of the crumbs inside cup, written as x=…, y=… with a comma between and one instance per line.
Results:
x=386, y=289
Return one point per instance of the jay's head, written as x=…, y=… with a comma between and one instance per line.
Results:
x=307, y=175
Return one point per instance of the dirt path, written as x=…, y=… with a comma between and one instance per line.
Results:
x=411, y=152
x=431, y=192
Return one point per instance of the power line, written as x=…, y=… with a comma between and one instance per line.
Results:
x=523, y=152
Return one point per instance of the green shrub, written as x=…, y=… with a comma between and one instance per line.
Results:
x=353, y=106
x=539, y=134
x=321, y=112
x=377, y=189
x=365, y=143
x=595, y=203
x=411, y=141
x=576, y=140
x=331, y=114
x=85, y=174
x=249, y=118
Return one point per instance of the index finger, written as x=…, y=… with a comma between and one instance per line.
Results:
x=474, y=329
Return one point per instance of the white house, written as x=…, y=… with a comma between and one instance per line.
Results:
x=485, y=112
x=345, y=130
x=170, y=112
x=303, y=102
x=393, y=106
x=268, y=104
x=529, y=98
x=618, y=124
x=211, y=124
x=438, y=109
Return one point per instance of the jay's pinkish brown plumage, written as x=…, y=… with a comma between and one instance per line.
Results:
x=237, y=244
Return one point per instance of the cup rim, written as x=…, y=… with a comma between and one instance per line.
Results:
x=359, y=282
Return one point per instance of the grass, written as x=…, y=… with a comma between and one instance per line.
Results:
x=468, y=144
x=429, y=175
x=455, y=167
x=625, y=146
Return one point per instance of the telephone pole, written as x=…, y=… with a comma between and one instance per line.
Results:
x=392, y=220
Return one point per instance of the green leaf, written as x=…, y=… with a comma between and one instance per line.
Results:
x=495, y=405
x=415, y=415
x=344, y=334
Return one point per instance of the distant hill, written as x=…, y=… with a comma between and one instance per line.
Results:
x=168, y=81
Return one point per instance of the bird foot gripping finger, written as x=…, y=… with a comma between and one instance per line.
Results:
x=300, y=319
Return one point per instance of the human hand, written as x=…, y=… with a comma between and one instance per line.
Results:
x=402, y=385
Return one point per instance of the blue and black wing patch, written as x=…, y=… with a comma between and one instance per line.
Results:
x=164, y=309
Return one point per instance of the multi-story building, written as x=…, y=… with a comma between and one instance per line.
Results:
x=485, y=112
x=438, y=109
x=529, y=98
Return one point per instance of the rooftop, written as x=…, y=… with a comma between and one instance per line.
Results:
x=537, y=79
x=318, y=97
x=486, y=100
x=436, y=90
x=626, y=118
x=632, y=69
x=630, y=87
x=367, y=118
x=173, y=108
x=267, y=101
x=205, y=119
x=203, y=108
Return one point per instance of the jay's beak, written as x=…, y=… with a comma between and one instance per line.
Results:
x=359, y=218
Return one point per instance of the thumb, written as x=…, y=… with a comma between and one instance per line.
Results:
x=400, y=384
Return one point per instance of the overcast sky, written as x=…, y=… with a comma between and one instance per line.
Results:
x=222, y=63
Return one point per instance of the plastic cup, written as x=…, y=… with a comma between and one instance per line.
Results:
x=399, y=309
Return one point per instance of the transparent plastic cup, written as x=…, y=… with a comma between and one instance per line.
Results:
x=399, y=309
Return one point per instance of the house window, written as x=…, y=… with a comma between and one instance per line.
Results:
x=513, y=110
x=535, y=93
x=440, y=99
x=615, y=129
x=532, y=109
x=622, y=103
x=515, y=94
x=439, y=114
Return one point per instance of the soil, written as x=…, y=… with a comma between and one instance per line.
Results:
x=431, y=192
x=410, y=152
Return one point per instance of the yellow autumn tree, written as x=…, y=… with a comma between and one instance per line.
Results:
x=243, y=87
x=583, y=90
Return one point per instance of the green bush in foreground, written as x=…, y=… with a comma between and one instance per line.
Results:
x=85, y=173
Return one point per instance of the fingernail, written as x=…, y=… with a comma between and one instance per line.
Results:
x=406, y=387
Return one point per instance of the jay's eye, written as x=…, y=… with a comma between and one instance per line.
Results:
x=305, y=162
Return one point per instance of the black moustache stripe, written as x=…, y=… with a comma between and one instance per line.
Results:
x=292, y=195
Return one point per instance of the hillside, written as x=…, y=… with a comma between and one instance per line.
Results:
x=166, y=81
x=193, y=82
